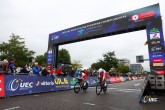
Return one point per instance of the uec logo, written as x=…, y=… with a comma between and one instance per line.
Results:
x=13, y=85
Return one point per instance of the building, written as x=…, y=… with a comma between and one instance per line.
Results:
x=124, y=61
x=136, y=68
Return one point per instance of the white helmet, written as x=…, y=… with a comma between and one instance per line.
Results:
x=100, y=70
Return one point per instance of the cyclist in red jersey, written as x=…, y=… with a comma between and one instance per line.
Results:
x=101, y=75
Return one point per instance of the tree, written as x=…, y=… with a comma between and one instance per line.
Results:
x=64, y=56
x=41, y=59
x=76, y=64
x=122, y=68
x=109, y=61
x=15, y=48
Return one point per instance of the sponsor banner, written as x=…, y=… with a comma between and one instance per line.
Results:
x=157, y=60
x=62, y=83
x=25, y=84
x=125, y=78
x=92, y=81
x=2, y=90
x=44, y=84
x=19, y=84
x=72, y=81
x=115, y=79
x=133, y=19
x=112, y=79
x=158, y=64
x=161, y=72
x=121, y=78
x=129, y=78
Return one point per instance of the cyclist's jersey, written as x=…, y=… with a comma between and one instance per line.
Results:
x=80, y=76
x=86, y=75
x=102, y=73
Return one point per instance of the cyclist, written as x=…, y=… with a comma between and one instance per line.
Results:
x=101, y=75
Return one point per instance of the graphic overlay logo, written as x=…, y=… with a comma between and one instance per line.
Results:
x=154, y=34
x=149, y=99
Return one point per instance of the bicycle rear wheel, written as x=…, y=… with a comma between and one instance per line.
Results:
x=105, y=88
x=77, y=87
x=85, y=86
x=98, y=88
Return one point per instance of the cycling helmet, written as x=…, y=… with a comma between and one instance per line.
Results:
x=100, y=70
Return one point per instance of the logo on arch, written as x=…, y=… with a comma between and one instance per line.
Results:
x=142, y=16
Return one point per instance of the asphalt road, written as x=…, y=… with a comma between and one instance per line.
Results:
x=119, y=96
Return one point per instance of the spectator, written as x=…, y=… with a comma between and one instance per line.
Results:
x=77, y=72
x=11, y=65
x=24, y=69
x=59, y=71
x=36, y=69
x=45, y=72
x=53, y=73
x=5, y=66
x=72, y=72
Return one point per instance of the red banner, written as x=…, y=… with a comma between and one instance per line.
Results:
x=114, y=79
x=2, y=91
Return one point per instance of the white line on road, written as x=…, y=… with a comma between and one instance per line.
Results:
x=36, y=95
x=137, y=84
x=66, y=100
x=114, y=108
x=125, y=89
x=89, y=104
x=12, y=108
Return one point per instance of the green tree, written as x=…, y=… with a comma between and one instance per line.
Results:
x=41, y=59
x=15, y=48
x=64, y=56
x=122, y=68
x=109, y=61
x=76, y=64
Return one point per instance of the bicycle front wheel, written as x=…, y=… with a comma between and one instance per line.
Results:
x=77, y=87
x=98, y=88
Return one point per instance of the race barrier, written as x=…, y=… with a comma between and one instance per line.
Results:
x=11, y=85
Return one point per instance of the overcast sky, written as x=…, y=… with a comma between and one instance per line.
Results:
x=34, y=20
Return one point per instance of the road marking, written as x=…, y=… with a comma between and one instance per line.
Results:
x=66, y=100
x=12, y=108
x=137, y=84
x=89, y=104
x=36, y=95
x=114, y=108
x=125, y=89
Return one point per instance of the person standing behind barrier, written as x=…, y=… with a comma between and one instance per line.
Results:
x=45, y=72
x=72, y=72
x=11, y=65
x=24, y=69
x=36, y=69
x=53, y=73
x=77, y=72
x=5, y=67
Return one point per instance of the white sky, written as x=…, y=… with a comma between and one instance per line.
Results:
x=36, y=19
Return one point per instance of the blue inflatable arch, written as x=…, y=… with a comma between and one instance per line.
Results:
x=148, y=18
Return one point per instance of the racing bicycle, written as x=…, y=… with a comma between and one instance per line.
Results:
x=80, y=85
x=101, y=87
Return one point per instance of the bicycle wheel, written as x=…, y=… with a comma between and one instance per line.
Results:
x=98, y=88
x=104, y=87
x=85, y=86
x=77, y=87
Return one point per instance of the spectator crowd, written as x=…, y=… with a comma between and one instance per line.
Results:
x=8, y=67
